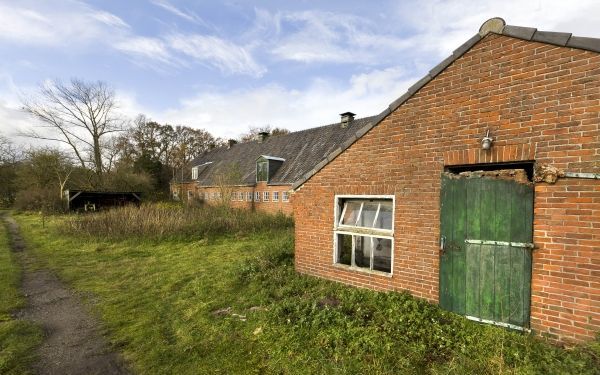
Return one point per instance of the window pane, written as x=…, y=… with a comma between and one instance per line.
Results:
x=382, y=254
x=368, y=214
x=362, y=254
x=344, y=255
x=385, y=217
x=352, y=210
x=261, y=171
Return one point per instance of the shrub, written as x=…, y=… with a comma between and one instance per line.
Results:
x=38, y=199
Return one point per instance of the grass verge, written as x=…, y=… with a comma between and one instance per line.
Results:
x=235, y=305
x=18, y=339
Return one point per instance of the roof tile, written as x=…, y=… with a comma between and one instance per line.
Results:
x=551, y=37
x=519, y=32
x=590, y=44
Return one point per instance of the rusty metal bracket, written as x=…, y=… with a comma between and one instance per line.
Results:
x=501, y=243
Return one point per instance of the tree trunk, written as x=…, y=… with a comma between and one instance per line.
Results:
x=97, y=157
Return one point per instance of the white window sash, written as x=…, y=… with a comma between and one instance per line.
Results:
x=368, y=233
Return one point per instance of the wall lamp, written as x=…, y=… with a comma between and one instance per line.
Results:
x=486, y=142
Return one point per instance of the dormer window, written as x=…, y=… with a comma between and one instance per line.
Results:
x=199, y=169
x=266, y=166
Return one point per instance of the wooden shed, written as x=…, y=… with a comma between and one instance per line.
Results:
x=88, y=200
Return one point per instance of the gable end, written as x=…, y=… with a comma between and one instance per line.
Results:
x=494, y=25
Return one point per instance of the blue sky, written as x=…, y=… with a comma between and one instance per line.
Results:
x=227, y=65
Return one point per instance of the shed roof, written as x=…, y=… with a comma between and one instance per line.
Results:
x=494, y=25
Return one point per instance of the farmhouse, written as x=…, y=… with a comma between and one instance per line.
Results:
x=478, y=189
x=259, y=174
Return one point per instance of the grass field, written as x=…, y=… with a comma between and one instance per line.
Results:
x=228, y=304
x=18, y=339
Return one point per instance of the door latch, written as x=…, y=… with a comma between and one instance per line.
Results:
x=442, y=243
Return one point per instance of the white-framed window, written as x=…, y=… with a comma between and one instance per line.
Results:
x=257, y=196
x=190, y=194
x=206, y=196
x=265, y=196
x=275, y=196
x=285, y=196
x=175, y=194
x=219, y=195
x=214, y=195
x=195, y=173
x=364, y=232
x=249, y=196
x=240, y=196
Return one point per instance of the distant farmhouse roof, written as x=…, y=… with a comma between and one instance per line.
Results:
x=494, y=25
x=300, y=152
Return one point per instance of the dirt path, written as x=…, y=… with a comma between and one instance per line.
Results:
x=73, y=342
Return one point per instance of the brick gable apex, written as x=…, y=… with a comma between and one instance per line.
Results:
x=494, y=25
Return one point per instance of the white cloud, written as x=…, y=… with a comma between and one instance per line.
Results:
x=145, y=48
x=186, y=15
x=56, y=24
x=228, y=114
x=441, y=26
x=216, y=52
x=317, y=36
x=67, y=23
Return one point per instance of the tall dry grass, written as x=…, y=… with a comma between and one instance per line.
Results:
x=162, y=221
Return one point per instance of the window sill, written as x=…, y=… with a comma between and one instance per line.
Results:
x=362, y=270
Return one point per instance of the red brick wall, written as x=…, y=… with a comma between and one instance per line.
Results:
x=541, y=103
x=566, y=266
x=270, y=206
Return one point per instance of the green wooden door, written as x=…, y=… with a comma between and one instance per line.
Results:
x=485, y=260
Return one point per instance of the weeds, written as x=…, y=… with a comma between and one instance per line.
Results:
x=164, y=221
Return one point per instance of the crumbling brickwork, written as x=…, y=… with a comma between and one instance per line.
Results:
x=541, y=103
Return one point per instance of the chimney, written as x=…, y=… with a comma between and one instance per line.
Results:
x=262, y=136
x=347, y=117
x=230, y=143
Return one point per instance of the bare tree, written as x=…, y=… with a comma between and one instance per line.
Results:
x=46, y=168
x=253, y=132
x=8, y=152
x=226, y=180
x=9, y=162
x=79, y=114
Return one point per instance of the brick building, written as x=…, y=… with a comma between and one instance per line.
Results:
x=478, y=189
x=259, y=174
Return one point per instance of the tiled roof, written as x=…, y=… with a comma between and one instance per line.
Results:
x=302, y=151
x=494, y=25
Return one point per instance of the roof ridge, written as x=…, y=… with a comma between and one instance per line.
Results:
x=320, y=127
x=494, y=25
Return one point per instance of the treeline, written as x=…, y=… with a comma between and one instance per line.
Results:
x=90, y=146
x=145, y=157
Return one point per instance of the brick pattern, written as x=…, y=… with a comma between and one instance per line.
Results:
x=566, y=264
x=540, y=102
x=271, y=206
